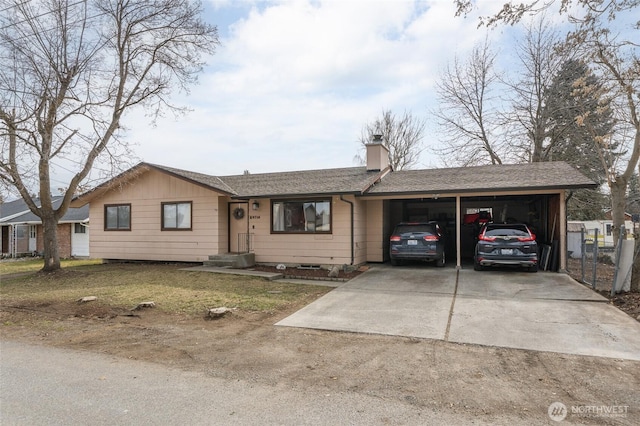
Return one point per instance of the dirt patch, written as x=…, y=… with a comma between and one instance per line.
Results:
x=493, y=385
x=629, y=303
x=488, y=383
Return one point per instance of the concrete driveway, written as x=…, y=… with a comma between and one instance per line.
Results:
x=543, y=311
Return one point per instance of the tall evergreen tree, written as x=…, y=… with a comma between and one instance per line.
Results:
x=568, y=105
x=633, y=195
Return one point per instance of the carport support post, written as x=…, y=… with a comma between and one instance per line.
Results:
x=563, y=233
x=458, y=232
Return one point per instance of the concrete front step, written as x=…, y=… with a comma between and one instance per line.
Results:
x=226, y=270
x=220, y=263
x=231, y=260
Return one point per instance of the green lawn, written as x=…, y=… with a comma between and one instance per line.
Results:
x=173, y=290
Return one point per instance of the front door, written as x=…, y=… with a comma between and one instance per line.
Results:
x=79, y=240
x=238, y=227
x=33, y=232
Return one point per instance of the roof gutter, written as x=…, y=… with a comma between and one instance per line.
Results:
x=470, y=192
x=293, y=196
x=352, y=230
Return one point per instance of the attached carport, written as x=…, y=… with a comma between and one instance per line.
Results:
x=533, y=193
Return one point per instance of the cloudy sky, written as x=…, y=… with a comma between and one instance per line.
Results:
x=293, y=82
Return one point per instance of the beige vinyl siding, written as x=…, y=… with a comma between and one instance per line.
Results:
x=375, y=231
x=222, y=212
x=360, y=230
x=305, y=249
x=146, y=240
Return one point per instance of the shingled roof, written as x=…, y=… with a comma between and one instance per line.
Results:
x=353, y=180
x=17, y=211
x=492, y=178
x=359, y=181
x=213, y=182
x=208, y=181
x=350, y=180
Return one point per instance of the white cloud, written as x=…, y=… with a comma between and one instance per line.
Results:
x=294, y=81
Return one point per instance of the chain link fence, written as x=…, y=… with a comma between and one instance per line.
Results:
x=604, y=268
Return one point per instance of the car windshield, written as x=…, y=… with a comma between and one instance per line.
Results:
x=510, y=231
x=414, y=229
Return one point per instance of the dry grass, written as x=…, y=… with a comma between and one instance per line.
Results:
x=173, y=290
x=29, y=264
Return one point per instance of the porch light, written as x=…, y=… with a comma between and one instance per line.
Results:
x=255, y=205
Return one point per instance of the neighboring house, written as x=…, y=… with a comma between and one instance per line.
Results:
x=575, y=234
x=318, y=217
x=605, y=229
x=22, y=232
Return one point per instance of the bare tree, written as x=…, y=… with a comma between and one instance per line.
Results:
x=600, y=37
x=71, y=70
x=513, y=12
x=540, y=60
x=402, y=135
x=624, y=86
x=467, y=112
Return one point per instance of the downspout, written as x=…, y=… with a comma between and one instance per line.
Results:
x=12, y=243
x=352, y=232
x=459, y=232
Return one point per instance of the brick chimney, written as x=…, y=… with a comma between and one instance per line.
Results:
x=377, y=154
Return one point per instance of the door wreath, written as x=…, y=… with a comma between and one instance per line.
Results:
x=238, y=213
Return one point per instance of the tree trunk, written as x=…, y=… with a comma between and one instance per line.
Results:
x=618, y=206
x=51, y=255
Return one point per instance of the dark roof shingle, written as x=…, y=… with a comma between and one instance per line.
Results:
x=210, y=181
x=353, y=180
x=530, y=176
x=359, y=181
x=17, y=212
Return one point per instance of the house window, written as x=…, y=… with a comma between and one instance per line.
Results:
x=609, y=228
x=176, y=216
x=117, y=217
x=79, y=228
x=308, y=216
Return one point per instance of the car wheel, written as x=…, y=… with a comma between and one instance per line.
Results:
x=395, y=262
x=440, y=262
x=477, y=266
x=533, y=268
